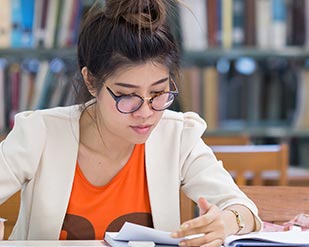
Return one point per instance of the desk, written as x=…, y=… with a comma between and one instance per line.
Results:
x=40, y=243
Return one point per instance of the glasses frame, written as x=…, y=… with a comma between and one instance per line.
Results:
x=143, y=99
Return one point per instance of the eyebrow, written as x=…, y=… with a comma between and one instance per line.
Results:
x=128, y=85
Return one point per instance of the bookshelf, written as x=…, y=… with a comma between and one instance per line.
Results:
x=18, y=54
x=204, y=57
x=260, y=103
x=258, y=51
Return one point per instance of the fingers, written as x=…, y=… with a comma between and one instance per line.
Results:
x=204, y=225
x=198, y=225
x=203, y=205
x=208, y=240
x=205, y=230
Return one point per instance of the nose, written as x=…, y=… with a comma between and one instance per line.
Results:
x=145, y=110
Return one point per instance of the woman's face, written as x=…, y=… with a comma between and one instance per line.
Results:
x=144, y=80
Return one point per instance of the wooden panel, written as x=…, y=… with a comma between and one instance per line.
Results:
x=227, y=140
x=2, y=137
x=9, y=210
x=187, y=207
x=278, y=204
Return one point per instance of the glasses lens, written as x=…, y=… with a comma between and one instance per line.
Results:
x=128, y=104
x=162, y=101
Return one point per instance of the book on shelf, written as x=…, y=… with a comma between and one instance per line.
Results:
x=301, y=115
x=5, y=24
x=51, y=23
x=195, y=85
x=16, y=19
x=255, y=92
x=274, y=90
x=249, y=23
x=67, y=7
x=278, y=24
x=263, y=23
x=210, y=97
x=296, y=25
x=28, y=75
x=39, y=23
x=227, y=24
x=39, y=84
x=238, y=23
x=219, y=22
x=212, y=23
x=193, y=24
x=185, y=89
x=27, y=16
x=59, y=89
x=55, y=71
x=15, y=89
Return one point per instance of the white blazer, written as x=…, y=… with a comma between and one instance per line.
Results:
x=39, y=157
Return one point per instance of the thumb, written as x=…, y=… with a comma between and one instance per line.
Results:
x=203, y=205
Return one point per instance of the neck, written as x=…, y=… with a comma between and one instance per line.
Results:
x=93, y=137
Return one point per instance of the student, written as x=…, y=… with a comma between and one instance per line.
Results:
x=120, y=155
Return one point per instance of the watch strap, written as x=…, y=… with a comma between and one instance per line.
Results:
x=239, y=219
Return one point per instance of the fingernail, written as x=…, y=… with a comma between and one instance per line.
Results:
x=184, y=226
x=174, y=235
x=182, y=244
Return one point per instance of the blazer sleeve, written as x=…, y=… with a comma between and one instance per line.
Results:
x=20, y=153
x=202, y=175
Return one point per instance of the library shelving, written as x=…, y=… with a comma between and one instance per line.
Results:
x=250, y=81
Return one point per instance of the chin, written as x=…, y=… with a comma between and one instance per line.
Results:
x=140, y=140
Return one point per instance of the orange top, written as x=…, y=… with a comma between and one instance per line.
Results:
x=92, y=210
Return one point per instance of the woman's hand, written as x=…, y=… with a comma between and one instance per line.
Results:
x=211, y=226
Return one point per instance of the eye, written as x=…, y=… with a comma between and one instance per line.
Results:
x=119, y=94
x=157, y=92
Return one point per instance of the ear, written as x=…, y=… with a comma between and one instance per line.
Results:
x=85, y=74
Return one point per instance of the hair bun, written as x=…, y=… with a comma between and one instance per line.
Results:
x=144, y=13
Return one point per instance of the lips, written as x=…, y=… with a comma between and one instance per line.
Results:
x=141, y=129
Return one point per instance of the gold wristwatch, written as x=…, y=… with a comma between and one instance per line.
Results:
x=239, y=220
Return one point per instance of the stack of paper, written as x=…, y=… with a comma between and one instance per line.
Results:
x=133, y=232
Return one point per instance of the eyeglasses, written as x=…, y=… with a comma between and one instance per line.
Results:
x=129, y=103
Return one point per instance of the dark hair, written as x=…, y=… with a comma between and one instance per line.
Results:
x=122, y=34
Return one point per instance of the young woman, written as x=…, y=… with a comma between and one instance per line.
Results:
x=120, y=155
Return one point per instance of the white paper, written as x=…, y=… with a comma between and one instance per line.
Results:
x=288, y=237
x=134, y=232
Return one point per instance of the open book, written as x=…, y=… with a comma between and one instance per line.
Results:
x=288, y=238
x=134, y=232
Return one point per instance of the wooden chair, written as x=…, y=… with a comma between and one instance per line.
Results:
x=251, y=162
x=240, y=160
x=241, y=139
x=278, y=204
x=9, y=210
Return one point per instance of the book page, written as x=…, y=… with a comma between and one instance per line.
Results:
x=293, y=238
